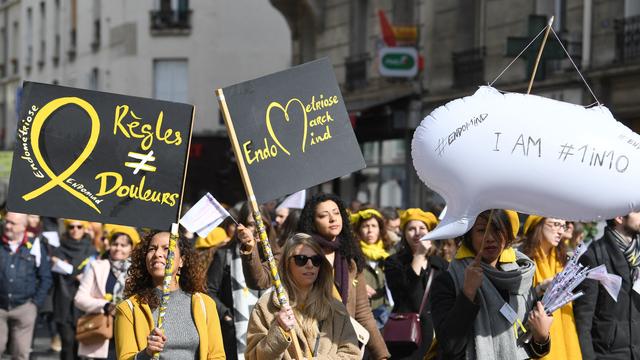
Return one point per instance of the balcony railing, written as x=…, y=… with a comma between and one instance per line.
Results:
x=468, y=67
x=170, y=20
x=627, y=38
x=356, y=71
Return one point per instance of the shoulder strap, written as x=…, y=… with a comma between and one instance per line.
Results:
x=426, y=291
x=204, y=308
x=130, y=304
x=598, y=252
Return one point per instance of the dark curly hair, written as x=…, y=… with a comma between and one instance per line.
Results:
x=349, y=248
x=140, y=283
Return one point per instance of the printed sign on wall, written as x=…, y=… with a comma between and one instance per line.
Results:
x=293, y=129
x=99, y=156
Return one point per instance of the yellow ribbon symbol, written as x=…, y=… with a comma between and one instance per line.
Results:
x=285, y=110
x=58, y=180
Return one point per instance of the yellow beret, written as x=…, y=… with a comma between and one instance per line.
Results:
x=530, y=223
x=68, y=222
x=514, y=220
x=418, y=214
x=132, y=232
x=365, y=215
x=215, y=237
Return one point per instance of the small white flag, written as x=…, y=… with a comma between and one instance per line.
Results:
x=611, y=282
x=294, y=201
x=204, y=216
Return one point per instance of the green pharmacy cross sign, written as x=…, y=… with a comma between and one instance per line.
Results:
x=552, y=50
x=398, y=61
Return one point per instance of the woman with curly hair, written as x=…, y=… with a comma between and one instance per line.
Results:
x=191, y=324
x=321, y=321
x=325, y=218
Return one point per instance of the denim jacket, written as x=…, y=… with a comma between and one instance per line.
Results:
x=20, y=279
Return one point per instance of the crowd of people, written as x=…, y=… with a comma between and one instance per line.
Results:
x=352, y=275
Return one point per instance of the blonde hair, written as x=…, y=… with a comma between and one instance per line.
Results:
x=320, y=301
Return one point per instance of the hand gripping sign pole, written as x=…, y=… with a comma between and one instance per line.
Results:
x=171, y=253
x=282, y=297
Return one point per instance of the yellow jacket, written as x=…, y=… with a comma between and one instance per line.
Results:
x=134, y=322
x=563, y=329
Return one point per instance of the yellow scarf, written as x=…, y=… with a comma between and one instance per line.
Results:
x=563, y=329
x=374, y=251
x=508, y=255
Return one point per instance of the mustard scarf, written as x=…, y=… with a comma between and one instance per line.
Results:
x=563, y=329
x=374, y=251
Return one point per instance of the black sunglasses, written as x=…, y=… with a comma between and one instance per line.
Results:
x=75, y=227
x=301, y=260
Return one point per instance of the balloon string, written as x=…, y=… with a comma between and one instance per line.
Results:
x=516, y=58
x=576, y=67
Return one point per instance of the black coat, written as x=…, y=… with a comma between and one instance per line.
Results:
x=407, y=289
x=608, y=329
x=219, y=287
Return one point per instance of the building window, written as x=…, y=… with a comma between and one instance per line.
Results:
x=94, y=79
x=55, y=58
x=42, y=35
x=382, y=181
x=171, y=15
x=29, y=59
x=356, y=63
x=3, y=51
x=170, y=80
x=95, y=44
x=71, y=53
x=14, y=47
x=627, y=30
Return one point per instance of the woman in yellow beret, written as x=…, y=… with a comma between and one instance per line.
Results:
x=407, y=273
x=368, y=225
x=480, y=304
x=543, y=243
x=102, y=286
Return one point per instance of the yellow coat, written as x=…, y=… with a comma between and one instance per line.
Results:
x=134, y=322
x=564, y=336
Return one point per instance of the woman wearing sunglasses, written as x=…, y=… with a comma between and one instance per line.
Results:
x=320, y=321
x=544, y=244
x=325, y=218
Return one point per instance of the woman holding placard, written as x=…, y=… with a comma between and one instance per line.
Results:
x=408, y=272
x=191, y=325
x=320, y=321
x=544, y=244
x=480, y=305
x=325, y=218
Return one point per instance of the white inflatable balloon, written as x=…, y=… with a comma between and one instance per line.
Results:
x=527, y=153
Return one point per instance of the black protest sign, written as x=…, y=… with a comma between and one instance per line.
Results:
x=293, y=129
x=98, y=156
